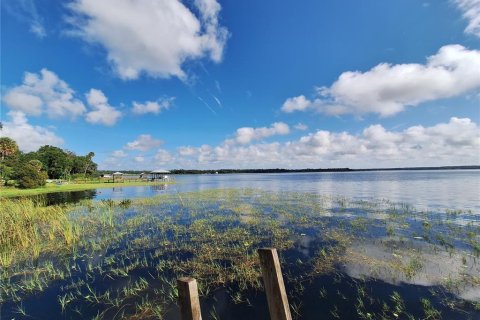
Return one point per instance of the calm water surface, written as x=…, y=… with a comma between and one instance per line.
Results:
x=343, y=258
x=439, y=189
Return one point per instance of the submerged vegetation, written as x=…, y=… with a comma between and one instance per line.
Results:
x=351, y=259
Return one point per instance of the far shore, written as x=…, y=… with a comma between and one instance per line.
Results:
x=9, y=192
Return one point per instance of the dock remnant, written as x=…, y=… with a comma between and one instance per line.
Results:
x=188, y=299
x=274, y=286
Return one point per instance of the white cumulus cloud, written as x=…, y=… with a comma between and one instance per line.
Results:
x=248, y=134
x=155, y=107
x=299, y=103
x=186, y=150
x=42, y=93
x=387, y=89
x=144, y=142
x=101, y=112
x=150, y=36
x=456, y=142
x=28, y=137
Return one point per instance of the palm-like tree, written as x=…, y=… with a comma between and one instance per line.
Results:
x=7, y=147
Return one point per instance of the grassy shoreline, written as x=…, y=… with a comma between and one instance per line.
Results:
x=9, y=192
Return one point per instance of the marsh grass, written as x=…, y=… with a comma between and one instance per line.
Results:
x=28, y=229
x=119, y=259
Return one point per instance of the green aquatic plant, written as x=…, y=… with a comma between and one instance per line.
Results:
x=429, y=311
x=142, y=245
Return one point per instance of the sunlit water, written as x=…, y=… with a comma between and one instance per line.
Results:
x=438, y=189
x=400, y=238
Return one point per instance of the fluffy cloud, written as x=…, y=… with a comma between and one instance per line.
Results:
x=387, y=89
x=44, y=93
x=144, y=142
x=119, y=160
x=155, y=107
x=28, y=137
x=471, y=12
x=186, y=151
x=151, y=36
x=102, y=112
x=247, y=134
x=453, y=143
x=299, y=103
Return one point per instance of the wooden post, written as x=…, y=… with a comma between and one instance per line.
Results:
x=188, y=299
x=274, y=286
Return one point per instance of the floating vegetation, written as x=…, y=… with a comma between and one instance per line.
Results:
x=352, y=259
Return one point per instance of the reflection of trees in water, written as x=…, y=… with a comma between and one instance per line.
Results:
x=66, y=197
x=117, y=189
x=159, y=187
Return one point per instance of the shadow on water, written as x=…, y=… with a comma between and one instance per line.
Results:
x=65, y=197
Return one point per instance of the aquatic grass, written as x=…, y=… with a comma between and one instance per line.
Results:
x=27, y=229
x=139, y=247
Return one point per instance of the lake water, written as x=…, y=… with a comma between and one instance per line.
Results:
x=353, y=245
x=433, y=190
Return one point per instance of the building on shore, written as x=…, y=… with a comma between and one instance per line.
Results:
x=159, y=174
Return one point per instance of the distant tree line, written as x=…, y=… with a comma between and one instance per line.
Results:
x=274, y=170
x=32, y=169
x=227, y=171
x=279, y=170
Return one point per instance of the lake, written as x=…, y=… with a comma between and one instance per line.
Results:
x=429, y=189
x=353, y=245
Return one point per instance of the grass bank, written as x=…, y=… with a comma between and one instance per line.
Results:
x=9, y=192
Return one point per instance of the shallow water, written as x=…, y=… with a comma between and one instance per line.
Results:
x=429, y=189
x=352, y=246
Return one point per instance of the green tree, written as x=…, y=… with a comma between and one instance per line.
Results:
x=57, y=162
x=6, y=172
x=89, y=163
x=37, y=164
x=28, y=176
x=84, y=164
x=8, y=147
x=8, y=157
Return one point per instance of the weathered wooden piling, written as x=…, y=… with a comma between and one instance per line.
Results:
x=188, y=299
x=274, y=286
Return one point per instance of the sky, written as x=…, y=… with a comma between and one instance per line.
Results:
x=207, y=84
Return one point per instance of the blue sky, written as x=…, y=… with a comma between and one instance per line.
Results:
x=244, y=84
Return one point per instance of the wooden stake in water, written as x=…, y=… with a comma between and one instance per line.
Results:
x=188, y=299
x=274, y=286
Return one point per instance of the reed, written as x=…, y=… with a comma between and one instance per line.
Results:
x=29, y=228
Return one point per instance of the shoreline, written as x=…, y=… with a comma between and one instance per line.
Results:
x=11, y=192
